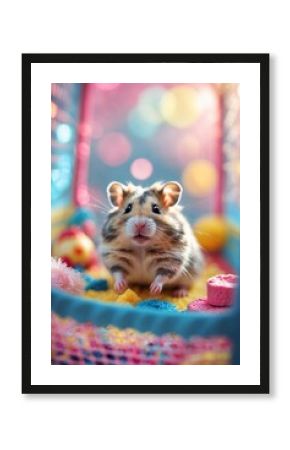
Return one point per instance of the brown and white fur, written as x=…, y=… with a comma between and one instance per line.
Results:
x=147, y=241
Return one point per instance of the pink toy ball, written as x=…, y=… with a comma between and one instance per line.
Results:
x=221, y=289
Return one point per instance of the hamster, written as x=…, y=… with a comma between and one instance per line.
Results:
x=147, y=241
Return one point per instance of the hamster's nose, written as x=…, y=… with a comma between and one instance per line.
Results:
x=139, y=227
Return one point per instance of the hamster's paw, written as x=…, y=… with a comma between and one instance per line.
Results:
x=120, y=285
x=156, y=287
x=180, y=291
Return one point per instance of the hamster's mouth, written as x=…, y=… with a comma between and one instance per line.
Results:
x=140, y=239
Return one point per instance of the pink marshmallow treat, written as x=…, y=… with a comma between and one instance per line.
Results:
x=202, y=305
x=221, y=289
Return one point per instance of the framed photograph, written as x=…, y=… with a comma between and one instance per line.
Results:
x=145, y=220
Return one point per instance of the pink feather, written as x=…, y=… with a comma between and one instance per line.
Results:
x=66, y=278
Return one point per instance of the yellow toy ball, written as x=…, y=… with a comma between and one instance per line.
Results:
x=212, y=232
x=75, y=248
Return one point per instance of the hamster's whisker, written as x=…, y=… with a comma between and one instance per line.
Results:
x=99, y=208
x=96, y=198
x=107, y=207
x=98, y=202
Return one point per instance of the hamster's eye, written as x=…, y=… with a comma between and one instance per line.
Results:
x=128, y=208
x=156, y=209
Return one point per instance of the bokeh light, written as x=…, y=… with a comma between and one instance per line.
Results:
x=207, y=99
x=188, y=147
x=141, y=169
x=64, y=133
x=177, y=128
x=54, y=109
x=200, y=178
x=107, y=86
x=176, y=147
x=114, y=149
x=139, y=127
x=179, y=106
x=236, y=168
x=149, y=105
x=61, y=174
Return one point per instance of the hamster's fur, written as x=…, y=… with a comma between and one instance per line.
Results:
x=147, y=241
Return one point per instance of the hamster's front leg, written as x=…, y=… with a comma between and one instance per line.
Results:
x=121, y=283
x=157, y=285
x=162, y=276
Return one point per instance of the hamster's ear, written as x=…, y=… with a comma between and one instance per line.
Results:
x=171, y=193
x=116, y=193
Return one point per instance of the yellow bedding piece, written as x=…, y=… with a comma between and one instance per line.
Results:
x=136, y=294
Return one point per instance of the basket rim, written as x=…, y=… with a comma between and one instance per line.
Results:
x=185, y=324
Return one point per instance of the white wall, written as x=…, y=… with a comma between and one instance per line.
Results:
x=73, y=422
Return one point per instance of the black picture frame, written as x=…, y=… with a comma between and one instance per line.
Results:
x=263, y=61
